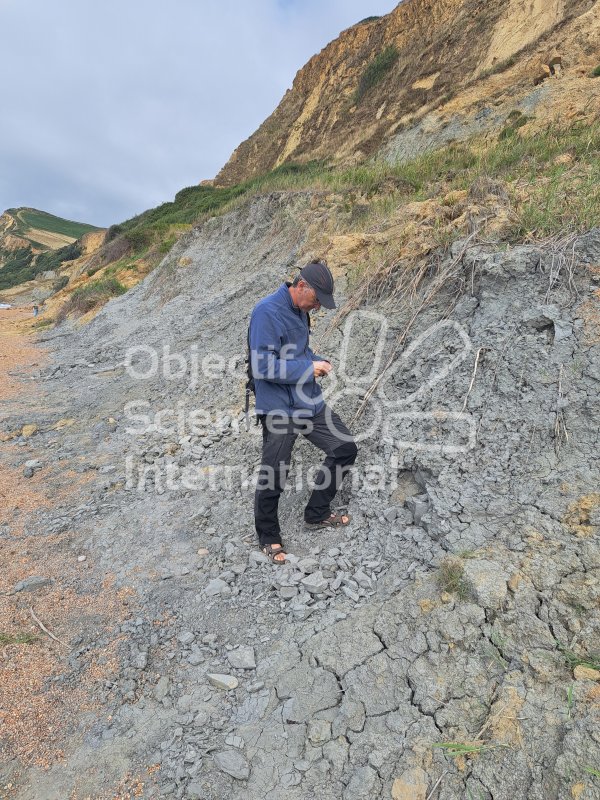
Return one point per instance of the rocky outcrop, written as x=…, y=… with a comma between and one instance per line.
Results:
x=453, y=56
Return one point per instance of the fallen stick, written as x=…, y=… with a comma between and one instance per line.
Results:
x=473, y=377
x=39, y=622
x=437, y=783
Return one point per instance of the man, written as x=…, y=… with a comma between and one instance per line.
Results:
x=289, y=402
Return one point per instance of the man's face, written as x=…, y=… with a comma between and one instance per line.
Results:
x=306, y=297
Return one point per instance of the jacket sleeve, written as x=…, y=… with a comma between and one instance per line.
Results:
x=266, y=344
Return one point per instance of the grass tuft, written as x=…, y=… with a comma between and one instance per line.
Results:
x=456, y=749
x=592, y=771
x=591, y=660
x=450, y=578
x=89, y=296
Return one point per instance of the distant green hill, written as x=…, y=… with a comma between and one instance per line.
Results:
x=47, y=240
x=28, y=220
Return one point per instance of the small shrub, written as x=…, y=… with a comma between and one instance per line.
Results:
x=596, y=72
x=18, y=268
x=54, y=258
x=92, y=294
x=368, y=19
x=112, y=233
x=516, y=123
x=376, y=70
x=139, y=238
x=167, y=244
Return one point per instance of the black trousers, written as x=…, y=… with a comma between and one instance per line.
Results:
x=325, y=430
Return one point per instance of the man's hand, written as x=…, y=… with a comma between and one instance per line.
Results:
x=321, y=368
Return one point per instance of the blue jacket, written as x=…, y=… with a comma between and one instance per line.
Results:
x=281, y=359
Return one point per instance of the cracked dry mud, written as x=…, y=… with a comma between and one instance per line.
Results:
x=461, y=606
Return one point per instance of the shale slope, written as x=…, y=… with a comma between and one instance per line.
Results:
x=442, y=647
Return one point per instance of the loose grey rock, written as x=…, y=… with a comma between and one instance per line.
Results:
x=235, y=741
x=162, y=688
x=242, y=658
x=201, y=719
x=308, y=565
x=315, y=583
x=216, y=587
x=31, y=583
x=222, y=681
x=194, y=791
x=233, y=763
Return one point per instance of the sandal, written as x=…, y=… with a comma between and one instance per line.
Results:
x=271, y=552
x=332, y=521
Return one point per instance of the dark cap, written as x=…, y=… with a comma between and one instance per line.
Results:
x=319, y=276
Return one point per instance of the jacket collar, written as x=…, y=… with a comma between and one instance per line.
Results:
x=286, y=297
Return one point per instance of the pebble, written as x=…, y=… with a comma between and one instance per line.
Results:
x=222, y=681
x=315, y=583
x=234, y=741
x=308, y=565
x=162, y=688
x=288, y=592
x=215, y=587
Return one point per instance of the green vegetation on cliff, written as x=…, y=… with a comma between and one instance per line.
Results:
x=25, y=263
x=30, y=218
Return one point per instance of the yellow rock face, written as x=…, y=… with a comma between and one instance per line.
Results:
x=498, y=46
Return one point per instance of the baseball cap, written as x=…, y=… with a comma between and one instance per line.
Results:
x=319, y=276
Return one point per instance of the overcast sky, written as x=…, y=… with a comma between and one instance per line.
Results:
x=109, y=108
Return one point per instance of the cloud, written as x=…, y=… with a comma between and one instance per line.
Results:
x=111, y=108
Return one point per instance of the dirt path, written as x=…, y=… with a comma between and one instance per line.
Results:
x=46, y=697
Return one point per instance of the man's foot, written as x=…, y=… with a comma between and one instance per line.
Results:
x=275, y=552
x=332, y=521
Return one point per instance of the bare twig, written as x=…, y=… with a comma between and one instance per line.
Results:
x=560, y=428
x=437, y=783
x=38, y=621
x=439, y=282
x=473, y=377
